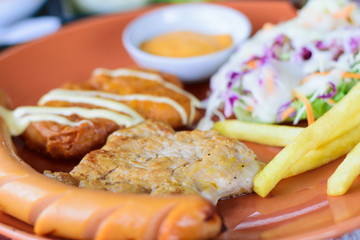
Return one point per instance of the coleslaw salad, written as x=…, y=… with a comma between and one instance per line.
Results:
x=292, y=71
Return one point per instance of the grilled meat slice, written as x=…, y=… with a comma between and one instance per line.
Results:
x=151, y=158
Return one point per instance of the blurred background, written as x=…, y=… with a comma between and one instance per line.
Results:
x=26, y=20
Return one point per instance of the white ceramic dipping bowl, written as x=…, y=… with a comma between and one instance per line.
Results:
x=15, y=10
x=197, y=17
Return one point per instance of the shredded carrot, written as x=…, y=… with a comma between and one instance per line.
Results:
x=252, y=64
x=307, y=24
x=267, y=26
x=309, y=110
x=249, y=108
x=285, y=114
x=331, y=101
x=270, y=83
x=345, y=12
x=351, y=75
x=345, y=75
x=311, y=75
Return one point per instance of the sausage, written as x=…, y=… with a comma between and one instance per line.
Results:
x=54, y=208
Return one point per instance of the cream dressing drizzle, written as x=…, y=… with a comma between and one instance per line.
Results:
x=76, y=97
x=63, y=94
x=19, y=119
x=195, y=103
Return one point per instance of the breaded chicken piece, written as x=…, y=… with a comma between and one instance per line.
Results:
x=125, y=85
x=151, y=158
x=67, y=142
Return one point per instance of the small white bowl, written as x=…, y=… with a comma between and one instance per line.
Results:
x=197, y=17
x=15, y=10
x=108, y=6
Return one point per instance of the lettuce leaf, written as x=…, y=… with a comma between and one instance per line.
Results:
x=244, y=115
x=343, y=89
x=319, y=106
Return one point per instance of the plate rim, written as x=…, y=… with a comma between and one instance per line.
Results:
x=341, y=228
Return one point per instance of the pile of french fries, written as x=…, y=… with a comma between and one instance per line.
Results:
x=333, y=135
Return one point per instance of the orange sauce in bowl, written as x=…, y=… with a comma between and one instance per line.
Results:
x=183, y=44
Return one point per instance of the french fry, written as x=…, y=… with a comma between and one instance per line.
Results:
x=327, y=152
x=340, y=181
x=344, y=116
x=279, y=135
x=268, y=134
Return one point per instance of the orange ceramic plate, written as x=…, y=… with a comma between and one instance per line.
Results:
x=297, y=208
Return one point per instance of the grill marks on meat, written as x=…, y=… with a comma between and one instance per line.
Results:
x=151, y=158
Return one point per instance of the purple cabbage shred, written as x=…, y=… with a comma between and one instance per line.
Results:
x=332, y=93
x=306, y=53
x=282, y=108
